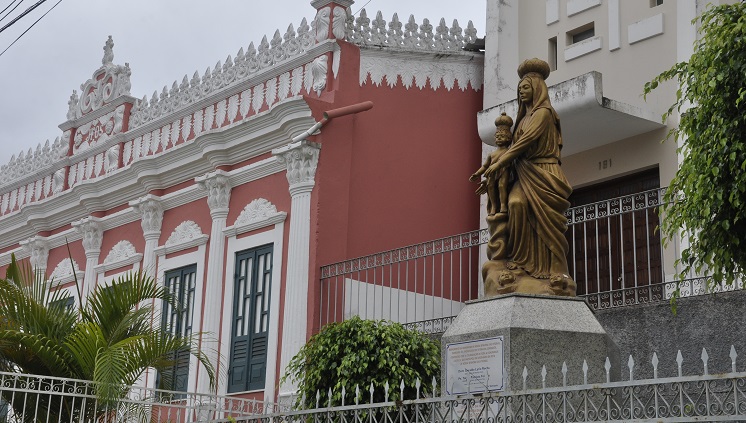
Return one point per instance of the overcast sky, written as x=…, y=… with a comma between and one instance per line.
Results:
x=162, y=40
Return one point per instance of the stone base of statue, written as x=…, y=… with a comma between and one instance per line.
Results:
x=492, y=340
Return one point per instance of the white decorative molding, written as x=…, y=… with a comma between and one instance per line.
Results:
x=319, y=69
x=34, y=161
x=451, y=72
x=552, y=11
x=122, y=254
x=615, y=26
x=302, y=159
x=150, y=209
x=107, y=83
x=258, y=214
x=363, y=32
x=218, y=189
x=245, y=65
x=38, y=250
x=582, y=48
x=322, y=22
x=66, y=271
x=98, y=130
x=576, y=6
x=186, y=235
x=92, y=233
x=339, y=22
x=644, y=29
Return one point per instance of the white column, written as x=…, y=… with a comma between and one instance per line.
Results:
x=38, y=250
x=301, y=158
x=218, y=197
x=93, y=234
x=150, y=210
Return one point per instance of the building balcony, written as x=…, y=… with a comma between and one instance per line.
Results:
x=616, y=257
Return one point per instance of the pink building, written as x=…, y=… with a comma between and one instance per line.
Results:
x=236, y=187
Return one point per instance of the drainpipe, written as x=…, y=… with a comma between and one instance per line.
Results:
x=334, y=113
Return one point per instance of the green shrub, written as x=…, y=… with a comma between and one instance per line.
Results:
x=359, y=352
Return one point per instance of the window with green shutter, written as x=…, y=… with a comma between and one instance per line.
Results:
x=250, y=326
x=180, y=283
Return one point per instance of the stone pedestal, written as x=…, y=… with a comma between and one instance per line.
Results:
x=534, y=331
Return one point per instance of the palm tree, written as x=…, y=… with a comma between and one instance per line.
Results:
x=109, y=341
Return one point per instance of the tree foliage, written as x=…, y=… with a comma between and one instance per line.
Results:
x=707, y=198
x=356, y=353
x=109, y=341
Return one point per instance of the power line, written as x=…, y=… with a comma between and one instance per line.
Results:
x=11, y=10
x=25, y=12
x=32, y=25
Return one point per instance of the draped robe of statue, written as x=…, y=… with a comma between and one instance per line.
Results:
x=528, y=249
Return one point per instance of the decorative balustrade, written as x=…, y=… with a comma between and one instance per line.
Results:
x=410, y=35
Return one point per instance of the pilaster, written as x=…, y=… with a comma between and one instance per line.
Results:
x=218, y=190
x=302, y=159
x=92, y=232
x=150, y=210
x=38, y=249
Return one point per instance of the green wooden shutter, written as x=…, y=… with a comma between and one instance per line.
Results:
x=180, y=283
x=250, y=327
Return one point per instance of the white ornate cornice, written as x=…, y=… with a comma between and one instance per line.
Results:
x=218, y=189
x=257, y=214
x=38, y=250
x=416, y=70
x=301, y=159
x=186, y=235
x=123, y=253
x=150, y=209
x=92, y=233
x=66, y=271
x=318, y=4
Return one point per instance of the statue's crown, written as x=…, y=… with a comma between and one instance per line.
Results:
x=534, y=65
x=504, y=120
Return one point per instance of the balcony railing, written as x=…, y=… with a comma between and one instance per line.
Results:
x=616, y=258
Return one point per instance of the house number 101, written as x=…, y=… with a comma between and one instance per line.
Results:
x=604, y=164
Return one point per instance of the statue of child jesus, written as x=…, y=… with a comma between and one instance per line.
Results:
x=496, y=186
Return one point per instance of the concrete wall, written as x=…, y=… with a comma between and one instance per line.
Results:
x=714, y=322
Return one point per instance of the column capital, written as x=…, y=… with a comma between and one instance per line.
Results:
x=302, y=159
x=38, y=249
x=92, y=231
x=150, y=209
x=218, y=189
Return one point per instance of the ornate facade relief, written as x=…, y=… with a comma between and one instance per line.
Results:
x=319, y=70
x=418, y=72
x=120, y=252
x=38, y=250
x=363, y=32
x=92, y=234
x=151, y=214
x=245, y=65
x=34, y=160
x=64, y=271
x=98, y=130
x=185, y=232
x=218, y=190
x=302, y=159
x=256, y=211
x=108, y=82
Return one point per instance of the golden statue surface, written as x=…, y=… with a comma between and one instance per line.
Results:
x=527, y=196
